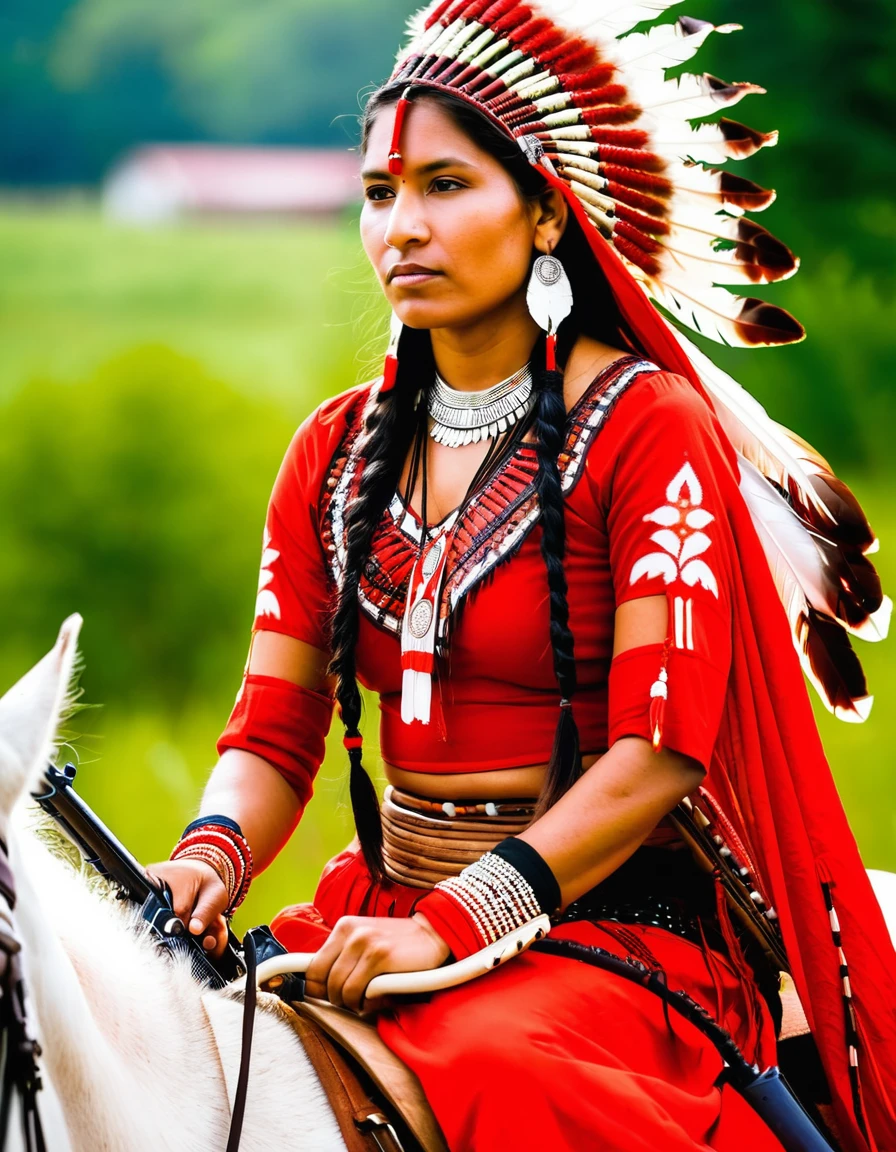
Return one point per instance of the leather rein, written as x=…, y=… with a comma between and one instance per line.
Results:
x=20, y=1050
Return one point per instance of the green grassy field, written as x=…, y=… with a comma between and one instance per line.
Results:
x=284, y=313
x=275, y=308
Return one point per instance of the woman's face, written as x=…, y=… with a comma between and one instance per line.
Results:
x=453, y=211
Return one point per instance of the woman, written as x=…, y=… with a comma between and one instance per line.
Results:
x=542, y=453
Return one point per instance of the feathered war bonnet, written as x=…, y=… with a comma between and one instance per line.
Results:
x=588, y=102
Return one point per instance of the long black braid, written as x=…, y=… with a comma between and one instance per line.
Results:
x=549, y=425
x=387, y=437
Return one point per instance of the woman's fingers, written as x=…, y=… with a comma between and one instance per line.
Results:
x=360, y=948
x=355, y=984
x=210, y=902
x=319, y=969
x=198, y=893
x=215, y=939
x=336, y=960
x=345, y=976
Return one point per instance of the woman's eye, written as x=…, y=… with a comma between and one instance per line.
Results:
x=446, y=180
x=377, y=192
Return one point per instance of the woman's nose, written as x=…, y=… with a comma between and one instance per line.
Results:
x=407, y=221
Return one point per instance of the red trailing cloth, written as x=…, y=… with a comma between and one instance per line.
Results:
x=770, y=772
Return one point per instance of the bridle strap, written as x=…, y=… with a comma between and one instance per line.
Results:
x=7, y=880
x=242, y=1083
x=20, y=1070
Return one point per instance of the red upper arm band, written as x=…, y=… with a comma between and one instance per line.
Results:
x=284, y=724
x=695, y=694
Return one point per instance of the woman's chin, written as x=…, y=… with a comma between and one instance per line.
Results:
x=418, y=315
x=422, y=314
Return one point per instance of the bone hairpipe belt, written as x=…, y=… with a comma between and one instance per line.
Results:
x=425, y=841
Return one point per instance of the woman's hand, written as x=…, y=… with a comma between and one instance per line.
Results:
x=361, y=947
x=199, y=897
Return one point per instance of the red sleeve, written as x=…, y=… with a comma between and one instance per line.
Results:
x=273, y=718
x=294, y=584
x=658, y=485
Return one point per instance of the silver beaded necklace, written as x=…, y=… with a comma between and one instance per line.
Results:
x=468, y=417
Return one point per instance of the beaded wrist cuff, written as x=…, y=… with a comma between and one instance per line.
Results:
x=223, y=846
x=491, y=895
x=533, y=867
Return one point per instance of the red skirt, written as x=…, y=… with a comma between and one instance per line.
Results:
x=549, y=1053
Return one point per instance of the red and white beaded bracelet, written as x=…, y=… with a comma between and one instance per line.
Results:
x=224, y=849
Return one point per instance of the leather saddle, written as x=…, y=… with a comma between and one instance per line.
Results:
x=378, y=1101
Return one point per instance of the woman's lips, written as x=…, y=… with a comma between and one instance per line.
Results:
x=411, y=279
x=407, y=274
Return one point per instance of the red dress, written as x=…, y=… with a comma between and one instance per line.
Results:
x=545, y=1053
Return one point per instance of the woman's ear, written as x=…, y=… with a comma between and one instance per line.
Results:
x=551, y=213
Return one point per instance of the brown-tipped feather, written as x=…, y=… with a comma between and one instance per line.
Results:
x=764, y=324
x=808, y=568
x=763, y=252
x=722, y=316
x=833, y=667
x=746, y=194
x=689, y=25
x=720, y=187
x=854, y=591
x=743, y=141
x=741, y=252
x=848, y=523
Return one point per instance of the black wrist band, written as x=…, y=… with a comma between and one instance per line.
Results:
x=532, y=866
x=202, y=821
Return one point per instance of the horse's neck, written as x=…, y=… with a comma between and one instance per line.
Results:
x=120, y=1028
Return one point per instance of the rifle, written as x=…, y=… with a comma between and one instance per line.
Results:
x=105, y=852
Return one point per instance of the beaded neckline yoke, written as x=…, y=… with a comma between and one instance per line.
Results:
x=493, y=525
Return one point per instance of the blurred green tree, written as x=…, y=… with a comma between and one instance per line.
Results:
x=136, y=498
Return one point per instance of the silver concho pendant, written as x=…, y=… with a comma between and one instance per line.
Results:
x=421, y=618
x=548, y=269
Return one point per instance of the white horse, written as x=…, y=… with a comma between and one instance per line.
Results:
x=129, y=1059
x=136, y=1057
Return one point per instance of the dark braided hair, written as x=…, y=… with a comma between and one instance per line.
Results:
x=388, y=433
x=387, y=436
x=565, y=765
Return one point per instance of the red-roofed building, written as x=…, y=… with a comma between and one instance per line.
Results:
x=163, y=182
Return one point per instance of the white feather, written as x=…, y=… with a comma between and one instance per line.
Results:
x=746, y=422
x=704, y=143
x=788, y=544
x=685, y=98
x=664, y=46
x=711, y=311
x=599, y=19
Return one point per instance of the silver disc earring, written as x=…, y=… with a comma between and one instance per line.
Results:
x=549, y=299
